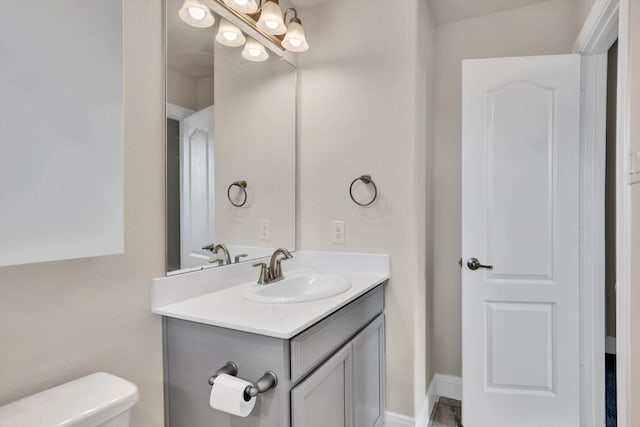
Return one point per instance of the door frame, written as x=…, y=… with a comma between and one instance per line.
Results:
x=177, y=112
x=607, y=21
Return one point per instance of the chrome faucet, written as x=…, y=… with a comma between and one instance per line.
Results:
x=273, y=272
x=225, y=252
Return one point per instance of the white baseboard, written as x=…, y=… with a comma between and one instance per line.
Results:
x=429, y=403
x=441, y=386
x=448, y=386
x=610, y=345
x=395, y=420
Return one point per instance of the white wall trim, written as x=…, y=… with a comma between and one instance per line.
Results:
x=429, y=403
x=441, y=386
x=395, y=420
x=610, y=345
x=600, y=29
x=593, y=39
x=448, y=386
x=593, y=128
x=177, y=112
x=623, y=224
x=599, y=32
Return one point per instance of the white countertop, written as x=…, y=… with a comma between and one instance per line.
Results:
x=222, y=303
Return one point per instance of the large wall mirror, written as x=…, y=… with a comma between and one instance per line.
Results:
x=230, y=146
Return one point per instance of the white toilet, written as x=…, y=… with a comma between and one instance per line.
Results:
x=97, y=400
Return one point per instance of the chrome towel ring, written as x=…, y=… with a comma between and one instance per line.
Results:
x=367, y=180
x=242, y=185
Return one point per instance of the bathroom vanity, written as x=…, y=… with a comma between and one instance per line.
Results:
x=328, y=354
x=231, y=198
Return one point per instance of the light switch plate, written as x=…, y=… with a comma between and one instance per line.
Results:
x=337, y=231
x=265, y=229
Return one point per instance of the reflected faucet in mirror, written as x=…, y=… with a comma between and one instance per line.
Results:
x=273, y=272
x=214, y=250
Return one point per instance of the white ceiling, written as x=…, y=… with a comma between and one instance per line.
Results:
x=446, y=11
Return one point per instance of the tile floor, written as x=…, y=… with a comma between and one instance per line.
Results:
x=446, y=413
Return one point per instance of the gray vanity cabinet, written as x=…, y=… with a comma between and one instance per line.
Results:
x=348, y=389
x=368, y=375
x=330, y=375
x=324, y=399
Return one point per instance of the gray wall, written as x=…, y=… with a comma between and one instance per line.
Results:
x=584, y=7
x=363, y=109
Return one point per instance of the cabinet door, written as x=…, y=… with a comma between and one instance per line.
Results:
x=324, y=399
x=368, y=375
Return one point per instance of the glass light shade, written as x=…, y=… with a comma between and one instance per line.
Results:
x=196, y=14
x=254, y=51
x=270, y=20
x=243, y=6
x=295, y=41
x=229, y=34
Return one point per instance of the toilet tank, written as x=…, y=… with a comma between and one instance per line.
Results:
x=98, y=399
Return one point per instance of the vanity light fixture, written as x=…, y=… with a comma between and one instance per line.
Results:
x=271, y=21
x=265, y=16
x=243, y=6
x=229, y=34
x=196, y=14
x=295, y=40
x=254, y=51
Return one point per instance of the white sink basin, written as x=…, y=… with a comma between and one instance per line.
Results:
x=304, y=287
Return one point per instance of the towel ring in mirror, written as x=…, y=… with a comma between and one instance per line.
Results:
x=367, y=180
x=242, y=185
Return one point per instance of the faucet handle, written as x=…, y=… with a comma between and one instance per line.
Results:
x=216, y=261
x=263, y=273
x=278, y=272
x=237, y=257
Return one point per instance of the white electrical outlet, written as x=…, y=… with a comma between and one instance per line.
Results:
x=265, y=232
x=337, y=231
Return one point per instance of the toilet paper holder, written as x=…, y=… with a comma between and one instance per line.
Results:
x=265, y=383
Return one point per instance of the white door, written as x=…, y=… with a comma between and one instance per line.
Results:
x=197, y=197
x=520, y=164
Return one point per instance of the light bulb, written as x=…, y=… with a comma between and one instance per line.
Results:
x=243, y=6
x=254, y=51
x=196, y=14
x=295, y=40
x=229, y=34
x=270, y=20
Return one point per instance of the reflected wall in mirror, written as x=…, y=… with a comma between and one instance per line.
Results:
x=229, y=121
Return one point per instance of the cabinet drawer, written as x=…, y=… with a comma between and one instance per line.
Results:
x=314, y=345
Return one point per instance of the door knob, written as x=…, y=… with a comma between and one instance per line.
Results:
x=474, y=264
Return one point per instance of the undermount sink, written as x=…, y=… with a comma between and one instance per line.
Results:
x=304, y=287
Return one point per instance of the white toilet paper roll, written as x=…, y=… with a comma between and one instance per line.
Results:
x=227, y=395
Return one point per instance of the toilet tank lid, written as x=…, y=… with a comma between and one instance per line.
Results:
x=87, y=401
